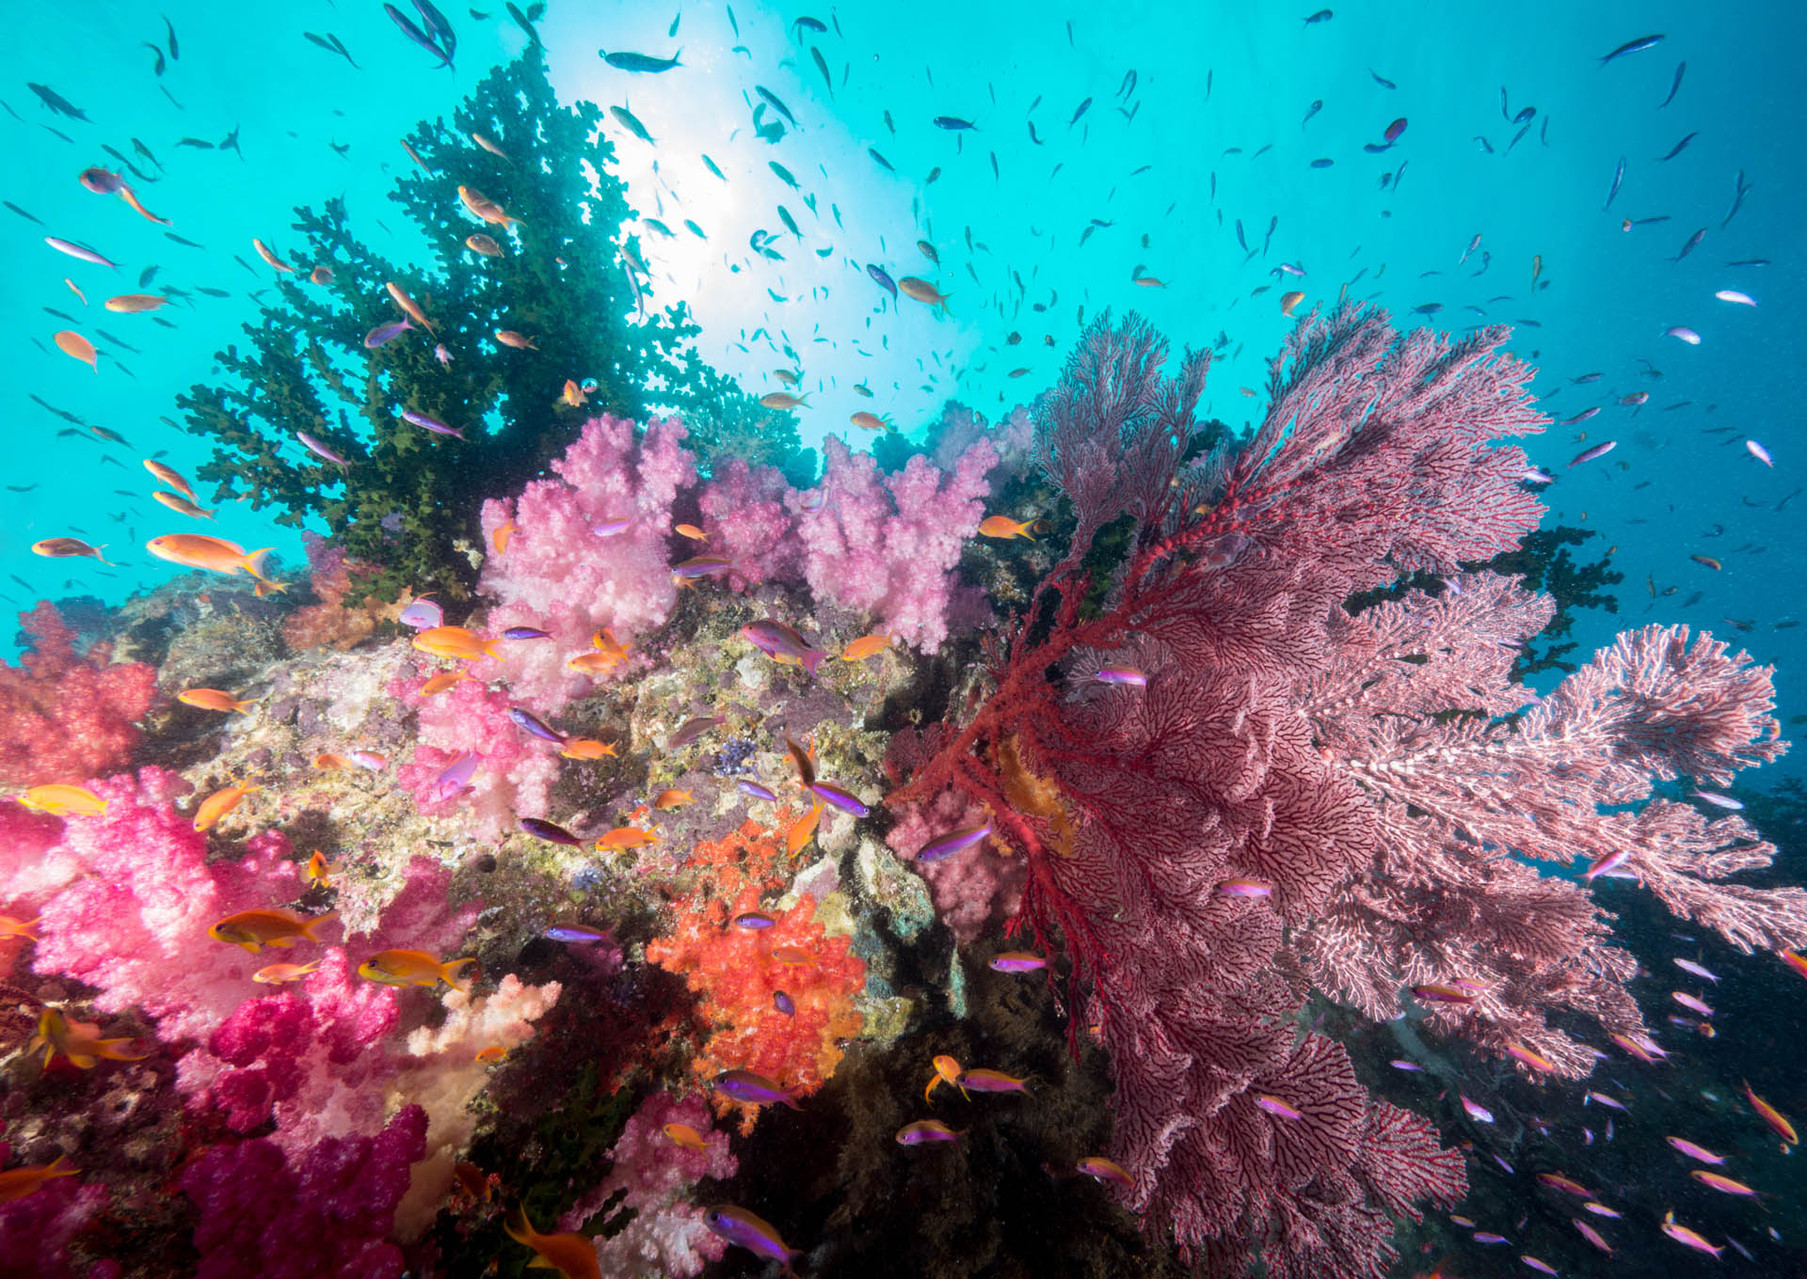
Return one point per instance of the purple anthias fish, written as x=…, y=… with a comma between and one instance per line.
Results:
x=780, y=642
x=550, y=832
x=884, y=280
x=1719, y=801
x=1127, y=675
x=1476, y=1111
x=319, y=450
x=1245, y=888
x=758, y=792
x=991, y=1081
x=701, y=566
x=576, y=934
x=955, y=841
x=612, y=528
x=1598, y=450
x=757, y=1090
x=1016, y=961
x=690, y=730
x=782, y=1002
x=1688, y=965
x=525, y=633
x=753, y=920
x=1400, y=1064
x=924, y=1131
x=432, y=424
x=755, y=1234
x=838, y=798
x=455, y=779
x=528, y=722
x=1485, y=1236
x=385, y=333
x=369, y=760
x=423, y=615
x=1275, y=1106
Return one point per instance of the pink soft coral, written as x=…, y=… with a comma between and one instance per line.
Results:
x=560, y=574
x=63, y=718
x=890, y=548
x=514, y=774
x=667, y=1235
x=745, y=516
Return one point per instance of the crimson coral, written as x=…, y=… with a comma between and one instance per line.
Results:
x=733, y=971
x=63, y=718
x=1363, y=768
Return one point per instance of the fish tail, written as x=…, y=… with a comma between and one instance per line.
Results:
x=103, y=559
x=449, y=971
x=811, y=659
x=253, y=563
x=488, y=646
x=307, y=929
x=518, y=1227
x=942, y=305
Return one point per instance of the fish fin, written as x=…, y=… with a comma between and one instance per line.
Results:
x=103, y=559
x=81, y=1060
x=812, y=658
x=307, y=929
x=518, y=1227
x=449, y=971
x=250, y=947
x=106, y=1048
x=253, y=563
x=942, y=305
x=282, y=943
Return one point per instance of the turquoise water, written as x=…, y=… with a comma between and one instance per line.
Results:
x=1200, y=122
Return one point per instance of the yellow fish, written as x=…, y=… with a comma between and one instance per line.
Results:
x=415, y=968
x=277, y=974
x=1290, y=300
x=442, y=681
x=586, y=748
x=16, y=1183
x=1004, y=527
x=212, y=699
x=79, y=1041
x=692, y=532
x=255, y=929
x=221, y=802
x=572, y=396
x=455, y=642
x=684, y=1135
x=502, y=535
x=64, y=801
x=215, y=554
x=491, y=1054
x=319, y=871
x=803, y=829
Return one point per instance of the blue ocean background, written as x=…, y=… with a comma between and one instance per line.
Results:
x=1179, y=159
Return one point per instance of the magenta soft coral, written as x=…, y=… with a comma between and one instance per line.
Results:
x=328, y=1213
x=63, y=718
x=514, y=774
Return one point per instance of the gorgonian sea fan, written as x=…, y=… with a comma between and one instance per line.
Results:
x=1359, y=765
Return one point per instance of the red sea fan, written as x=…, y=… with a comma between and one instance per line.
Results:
x=63, y=718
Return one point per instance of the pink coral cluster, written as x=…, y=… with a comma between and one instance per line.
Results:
x=329, y=1212
x=667, y=1235
x=586, y=550
x=515, y=771
x=62, y=717
x=37, y=1231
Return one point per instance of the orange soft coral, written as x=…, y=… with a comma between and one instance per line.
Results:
x=738, y=973
x=331, y=623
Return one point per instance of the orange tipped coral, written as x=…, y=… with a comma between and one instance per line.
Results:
x=738, y=981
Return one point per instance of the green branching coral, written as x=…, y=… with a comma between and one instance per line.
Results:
x=408, y=501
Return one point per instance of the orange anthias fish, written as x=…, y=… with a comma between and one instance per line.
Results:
x=573, y=395
x=221, y=802
x=18, y=929
x=16, y=1183
x=484, y=207
x=79, y=1041
x=519, y=341
x=803, y=829
x=181, y=505
x=409, y=306
x=415, y=968
x=63, y=801
x=214, y=554
x=1772, y=1117
x=865, y=646
x=623, y=838
x=668, y=800
x=62, y=548
x=1794, y=961
x=171, y=477
x=1004, y=526
x=319, y=871
x=76, y=347
x=1723, y=1183
x=692, y=532
x=277, y=974
x=684, y=1135
x=572, y=1255
x=502, y=536
x=212, y=699
x=255, y=929
x=329, y=762
x=1103, y=1169
x=492, y=1054
x=586, y=748
x=455, y=642
x=947, y=1071
x=442, y=681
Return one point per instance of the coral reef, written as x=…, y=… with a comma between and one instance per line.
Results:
x=64, y=717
